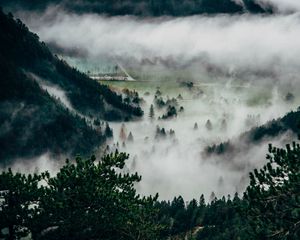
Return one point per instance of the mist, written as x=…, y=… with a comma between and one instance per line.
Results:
x=54, y=91
x=242, y=45
x=283, y=6
x=240, y=65
x=175, y=165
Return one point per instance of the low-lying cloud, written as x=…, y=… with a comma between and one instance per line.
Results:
x=282, y=5
x=234, y=44
x=176, y=165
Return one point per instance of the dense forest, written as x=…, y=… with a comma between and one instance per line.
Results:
x=146, y=7
x=90, y=199
x=31, y=120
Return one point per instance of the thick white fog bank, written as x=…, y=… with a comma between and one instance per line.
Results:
x=232, y=43
x=176, y=165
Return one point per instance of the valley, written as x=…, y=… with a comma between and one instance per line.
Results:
x=149, y=120
x=174, y=161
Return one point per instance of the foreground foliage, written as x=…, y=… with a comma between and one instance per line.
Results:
x=85, y=200
x=88, y=199
x=274, y=195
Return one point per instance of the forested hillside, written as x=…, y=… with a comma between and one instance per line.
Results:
x=272, y=129
x=145, y=7
x=31, y=120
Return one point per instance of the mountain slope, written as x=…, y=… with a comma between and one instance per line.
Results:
x=289, y=122
x=24, y=49
x=32, y=121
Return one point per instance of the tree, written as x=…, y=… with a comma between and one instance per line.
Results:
x=223, y=125
x=87, y=199
x=151, y=112
x=130, y=137
x=18, y=195
x=208, y=125
x=123, y=133
x=179, y=214
x=274, y=195
x=108, y=131
x=192, y=216
x=171, y=112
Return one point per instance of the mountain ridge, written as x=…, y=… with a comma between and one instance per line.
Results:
x=146, y=7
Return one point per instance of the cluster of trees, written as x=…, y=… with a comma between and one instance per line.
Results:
x=275, y=127
x=89, y=199
x=162, y=133
x=272, y=129
x=219, y=219
x=159, y=101
x=171, y=112
x=147, y=7
x=188, y=85
x=219, y=149
x=132, y=97
x=171, y=106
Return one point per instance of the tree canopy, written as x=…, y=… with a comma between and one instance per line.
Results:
x=90, y=199
x=86, y=199
x=274, y=194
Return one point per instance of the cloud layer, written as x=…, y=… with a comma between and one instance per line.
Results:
x=231, y=43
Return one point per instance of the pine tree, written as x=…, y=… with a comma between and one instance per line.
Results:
x=208, y=125
x=151, y=112
x=108, y=131
x=130, y=137
x=274, y=195
x=123, y=133
x=223, y=125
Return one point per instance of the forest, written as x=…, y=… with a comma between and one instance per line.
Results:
x=33, y=121
x=92, y=199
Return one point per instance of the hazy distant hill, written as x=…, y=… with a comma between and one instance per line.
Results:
x=145, y=7
x=272, y=129
x=33, y=121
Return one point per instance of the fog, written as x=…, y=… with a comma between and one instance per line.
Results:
x=283, y=5
x=242, y=45
x=39, y=164
x=177, y=165
x=241, y=66
x=54, y=91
